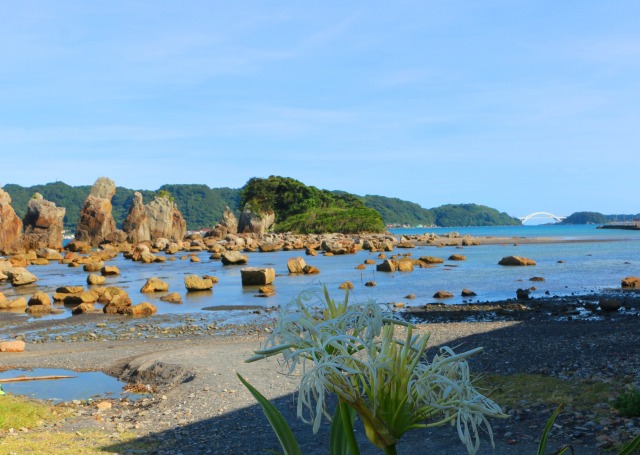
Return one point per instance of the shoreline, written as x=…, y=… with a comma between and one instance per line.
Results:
x=193, y=373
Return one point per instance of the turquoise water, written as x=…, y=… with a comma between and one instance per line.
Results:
x=600, y=260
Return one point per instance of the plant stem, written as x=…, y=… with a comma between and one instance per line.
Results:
x=391, y=450
x=347, y=424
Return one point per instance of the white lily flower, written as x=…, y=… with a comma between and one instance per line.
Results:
x=352, y=351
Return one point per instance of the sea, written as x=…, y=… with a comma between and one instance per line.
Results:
x=588, y=260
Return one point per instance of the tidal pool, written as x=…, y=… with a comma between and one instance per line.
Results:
x=82, y=386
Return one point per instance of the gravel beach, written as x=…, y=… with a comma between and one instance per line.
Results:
x=198, y=406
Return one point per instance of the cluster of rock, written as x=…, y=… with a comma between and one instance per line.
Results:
x=158, y=219
x=42, y=226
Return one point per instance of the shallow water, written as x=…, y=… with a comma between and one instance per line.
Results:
x=83, y=386
x=601, y=261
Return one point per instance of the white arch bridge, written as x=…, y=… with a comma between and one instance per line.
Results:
x=530, y=216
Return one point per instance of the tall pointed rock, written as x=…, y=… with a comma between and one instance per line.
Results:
x=136, y=225
x=96, y=219
x=43, y=224
x=10, y=226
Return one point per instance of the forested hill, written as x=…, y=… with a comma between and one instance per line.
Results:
x=202, y=206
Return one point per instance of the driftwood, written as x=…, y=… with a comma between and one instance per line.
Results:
x=34, y=378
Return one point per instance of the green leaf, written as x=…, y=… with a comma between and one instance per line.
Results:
x=342, y=439
x=279, y=425
x=631, y=447
x=542, y=446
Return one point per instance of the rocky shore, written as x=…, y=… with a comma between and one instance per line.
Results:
x=197, y=405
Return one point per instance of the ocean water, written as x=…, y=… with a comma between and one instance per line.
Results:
x=591, y=260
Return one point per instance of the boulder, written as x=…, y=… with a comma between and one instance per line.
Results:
x=94, y=266
x=154, y=285
x=78, y=246
x=43, y=224
x=93, y=279
x=117, y=304
x=81, y=297
x=339, y=246
x=39, y=310
x=40, y=298
x=84, y=308
x=141, y=309
x=523, y=294
x=173, y=297
x=197, y=283
x=253, y=276
x=269, y=247
x=346, y=285
x=387, y=265
x=609, y=305
x=19, y=276
x=468, y=293
x=404, y=266
x=109, y=270
x=371, y=284
x=96, y=220
x=431, y=260
x=12, y=346
x=631, y=282
x=49, y=254
x=296, y=265
x=20, y=302
x=10, y=226
x=310, y=270
x=69, y=289
x=442, y=295
x=254, y=221
x=234, y=258
x=457, y=257
x=516, y=261
x=266, y=291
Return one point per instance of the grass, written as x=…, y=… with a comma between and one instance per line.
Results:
x=510, y=391
x=21, y=422
x=19, y=412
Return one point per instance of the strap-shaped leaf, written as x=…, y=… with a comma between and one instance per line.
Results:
x=279, y=425
x=342, y=439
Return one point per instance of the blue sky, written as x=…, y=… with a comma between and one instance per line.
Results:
x=519, y=105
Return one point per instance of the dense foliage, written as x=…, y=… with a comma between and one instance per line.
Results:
x=346, y=220
x=472, y=215
x=398, y=212
x=585, y=218
x=301, y=208
x=200, y=205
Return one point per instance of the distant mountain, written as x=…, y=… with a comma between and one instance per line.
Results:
x=450, y=215
x=596, y=218
x=395, y=211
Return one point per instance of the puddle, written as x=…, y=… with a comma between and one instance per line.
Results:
x=83, y=386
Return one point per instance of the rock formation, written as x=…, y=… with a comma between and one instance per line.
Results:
x=158, y=219
x=229, y=221
x=96, y=220
x=43, y=224
x=10, y=226
x=254, y=222
x=136, y=225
